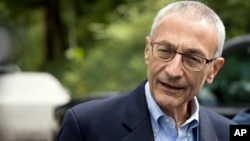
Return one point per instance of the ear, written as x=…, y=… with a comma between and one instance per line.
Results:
x=147, y=50
x=215, y=69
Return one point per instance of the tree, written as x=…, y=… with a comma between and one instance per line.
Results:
x=95, y=45
x=56, y=42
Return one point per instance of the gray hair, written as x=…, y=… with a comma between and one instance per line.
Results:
x=199, y=11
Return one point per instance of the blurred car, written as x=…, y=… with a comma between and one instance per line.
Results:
x=27, y=99
x=230, y=92
x=27, y=102
x=228, y=95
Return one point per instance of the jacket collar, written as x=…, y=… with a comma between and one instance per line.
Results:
x=136, y=117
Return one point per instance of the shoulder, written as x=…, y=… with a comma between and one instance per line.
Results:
x=90, y=120
x=100, y=106
x=115, y=104
x=217, y=124
x=216, y=118
x=93, y=117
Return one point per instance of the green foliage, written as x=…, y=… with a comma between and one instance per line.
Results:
x=115, y=61
x=30, y=46
x=33, y=55
x=234, y=14
x=106, y=39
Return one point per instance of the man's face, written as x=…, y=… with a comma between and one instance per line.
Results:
x=171, y=84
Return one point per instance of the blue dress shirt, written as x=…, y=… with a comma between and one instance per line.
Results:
x=164, y=126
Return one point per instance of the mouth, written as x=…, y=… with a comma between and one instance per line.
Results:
x=171, y=88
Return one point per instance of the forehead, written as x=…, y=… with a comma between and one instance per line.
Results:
x=186, y=32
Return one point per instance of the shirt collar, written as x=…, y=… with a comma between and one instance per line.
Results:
x=153, y=108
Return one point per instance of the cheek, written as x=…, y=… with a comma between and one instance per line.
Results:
x=196, y=81
x=154, y=69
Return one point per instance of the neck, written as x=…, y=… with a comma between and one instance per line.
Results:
x=179, y=114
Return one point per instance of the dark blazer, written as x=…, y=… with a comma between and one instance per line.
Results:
x=126, y=118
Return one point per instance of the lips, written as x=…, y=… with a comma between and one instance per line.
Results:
x=171, y=88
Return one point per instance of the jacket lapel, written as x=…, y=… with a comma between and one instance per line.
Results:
x=207, y=131
x=136, y=117
x=141, y=133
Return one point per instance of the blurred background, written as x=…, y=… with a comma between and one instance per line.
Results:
x=93, y=45
x=82, y=47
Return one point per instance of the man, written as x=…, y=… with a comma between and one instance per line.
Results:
x=181, y=54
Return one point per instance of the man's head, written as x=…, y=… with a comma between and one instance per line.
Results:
x=195, y=11
x=183, y=51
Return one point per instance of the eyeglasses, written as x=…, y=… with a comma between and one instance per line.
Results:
x=165, y=52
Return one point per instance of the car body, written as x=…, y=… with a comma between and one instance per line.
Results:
x=230, y=92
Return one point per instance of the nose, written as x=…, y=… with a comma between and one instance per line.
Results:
x=174, y=67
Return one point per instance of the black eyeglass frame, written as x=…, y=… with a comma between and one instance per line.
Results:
x=152, y=43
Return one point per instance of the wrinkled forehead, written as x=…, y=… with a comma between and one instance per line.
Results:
x=190, y=16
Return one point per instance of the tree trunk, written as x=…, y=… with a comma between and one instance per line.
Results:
x=55, y=35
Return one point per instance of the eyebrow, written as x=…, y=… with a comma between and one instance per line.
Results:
x=167, y=43
x=195, y=51
x=188, y=50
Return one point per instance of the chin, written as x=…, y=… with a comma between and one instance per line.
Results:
x=166, y=101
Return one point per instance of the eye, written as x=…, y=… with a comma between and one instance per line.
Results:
x=164, y=49
x=193, y=58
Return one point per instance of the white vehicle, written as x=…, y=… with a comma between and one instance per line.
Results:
x=27, y=103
